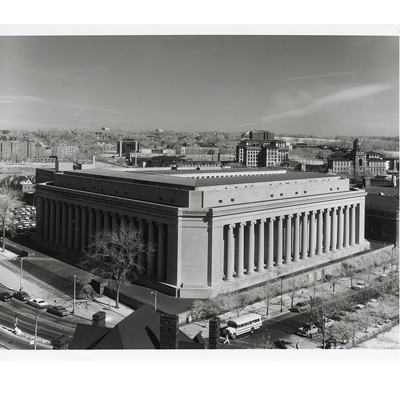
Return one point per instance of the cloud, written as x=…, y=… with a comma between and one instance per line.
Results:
x=331, y=101
x=316, y=76
x=53, y=102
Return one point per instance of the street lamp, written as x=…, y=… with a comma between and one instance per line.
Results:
x=155, y=299
x=20, y=274
x=73, y=303
x=36, y=322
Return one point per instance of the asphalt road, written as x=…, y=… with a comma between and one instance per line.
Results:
x=49, y=326
x=281, y=327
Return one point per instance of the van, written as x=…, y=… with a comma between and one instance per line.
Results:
x=243, y=324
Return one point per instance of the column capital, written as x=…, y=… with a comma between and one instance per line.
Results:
x=305, y=213
x=159, y=224
x=263, y=220
x=149, y=222
x=251, y=222
x=272, y=219
x=242, y=224
x=230, y=226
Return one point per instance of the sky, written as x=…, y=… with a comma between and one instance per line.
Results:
x=312, y=85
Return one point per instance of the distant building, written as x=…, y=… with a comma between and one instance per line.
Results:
x=64, y=152
x=356, y=163
x=127, y=146
x=14, y=150
x=193, y=151
x=261, y=150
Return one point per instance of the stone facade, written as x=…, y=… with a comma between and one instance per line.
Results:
x=214, y=232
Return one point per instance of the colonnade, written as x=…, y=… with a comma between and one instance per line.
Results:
x=73, y=226
x=274, y=241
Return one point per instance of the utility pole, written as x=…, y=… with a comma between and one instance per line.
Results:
x=20, y=274
x=73, y=304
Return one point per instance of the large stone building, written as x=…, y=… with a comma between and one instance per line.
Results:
x=214, y=232
x=261, y=150
x=357, y=163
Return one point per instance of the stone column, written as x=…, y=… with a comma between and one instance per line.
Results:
x=361, y=222
x=64, y=225
x=160, y=247
x=58, y=223
x=114, y=221
x=327, y=246
x=250, y=253
x=90, y=224
x=296, y=237
x=353, y=225
x=71, y=232
x=340, y=228
x=271, y=242
x=312, y=234
x=150, y=240
x=98, y=220
x=346, y=227
x=240, y=263
x=304, y=241
x=334, y=230
x=106, y=222
x=288, y=249
x=77, y=233
x=122, y=219
x=319, y=233
x=83, y=227
x=279, y=242
x=141, y=238
x=230, y=256
x=260, y=262
x=52, y=221
x=46, y=219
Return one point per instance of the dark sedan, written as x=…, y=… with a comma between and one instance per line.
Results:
x=23, y=296
x=60, y=311
x=5, y=296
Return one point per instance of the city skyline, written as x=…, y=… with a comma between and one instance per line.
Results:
x=311, y=85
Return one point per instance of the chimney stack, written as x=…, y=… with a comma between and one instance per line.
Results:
x=169, y=331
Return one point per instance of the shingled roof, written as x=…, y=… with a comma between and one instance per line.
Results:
x=138, y=331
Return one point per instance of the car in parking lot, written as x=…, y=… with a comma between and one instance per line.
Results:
x=21, y=295
x=307, y=330
x=301, y=306
x=60, y=311
x=328, y=322
x=284, y=344
x=359, y=285
x=38, y=303
x=5, y=296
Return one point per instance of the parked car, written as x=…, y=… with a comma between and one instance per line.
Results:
x=38, y=303
x=284, y=344
x=23, y=296
x=307, y=330
x=359, y=285
x=328, y=322
x=301, y=306
x=338, y=315
x=5, y=296
x=58, y=310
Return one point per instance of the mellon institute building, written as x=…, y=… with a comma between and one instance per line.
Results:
x=214, y=231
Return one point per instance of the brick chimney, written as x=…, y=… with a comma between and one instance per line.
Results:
x=214, y=333
x=169, y=331
x=99, y=319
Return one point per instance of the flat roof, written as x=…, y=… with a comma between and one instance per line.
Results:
x=198, y=179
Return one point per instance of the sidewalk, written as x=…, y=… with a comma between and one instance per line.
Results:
x=84, y=307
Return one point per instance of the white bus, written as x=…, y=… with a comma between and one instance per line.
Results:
x=243, y=324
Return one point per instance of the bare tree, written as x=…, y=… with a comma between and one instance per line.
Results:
x=350, y=268
x=293, y=286
x=114, y=254
x=335, y=279
x=265, y=342
x=238, y=301
x=323, y=309
x=10, y=198
x=268, y=292
x=341, y=331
